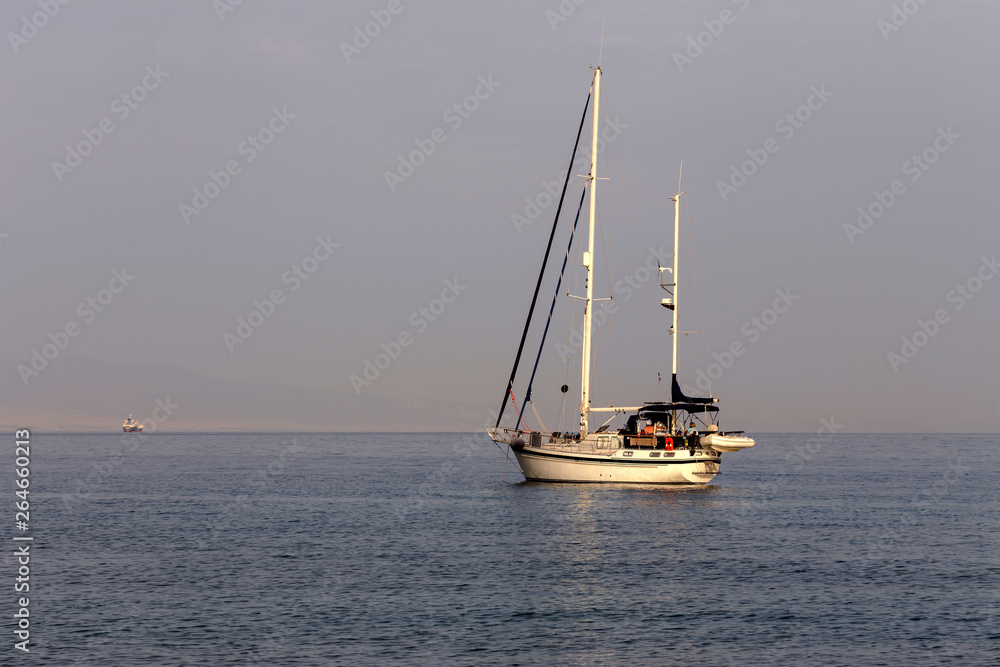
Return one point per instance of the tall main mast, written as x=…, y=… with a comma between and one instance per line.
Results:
x=588, y=263
x=677, y=226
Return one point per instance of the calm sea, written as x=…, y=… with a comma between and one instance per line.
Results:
x=381, y=549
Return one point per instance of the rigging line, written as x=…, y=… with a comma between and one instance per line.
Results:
x=572, y=235
x=545, y=260
x=562, y=413
x=600, y=57
x=513, y=401
x=539, y=418
x=659, y=336
x=565, y=360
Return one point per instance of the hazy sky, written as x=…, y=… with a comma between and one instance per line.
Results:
x=175, y=162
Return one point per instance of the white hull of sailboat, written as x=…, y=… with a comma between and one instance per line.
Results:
x=622, y=467
x=726, y=443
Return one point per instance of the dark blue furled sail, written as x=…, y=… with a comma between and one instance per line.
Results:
x=678, y=396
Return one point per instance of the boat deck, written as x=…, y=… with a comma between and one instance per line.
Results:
x=600, y=443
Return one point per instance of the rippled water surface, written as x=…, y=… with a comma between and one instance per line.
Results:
x=382, y=549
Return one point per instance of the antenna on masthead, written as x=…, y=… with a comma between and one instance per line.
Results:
x=600, y=58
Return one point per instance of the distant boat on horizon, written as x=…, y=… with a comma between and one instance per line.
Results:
x=131, y=426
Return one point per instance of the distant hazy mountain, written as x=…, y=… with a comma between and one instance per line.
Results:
x=82, y=394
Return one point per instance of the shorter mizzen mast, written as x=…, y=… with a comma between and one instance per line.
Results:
x=676, y=394
x=588, y=263
x=672, y=305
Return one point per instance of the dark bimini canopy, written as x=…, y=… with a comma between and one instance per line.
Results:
x=661, y=408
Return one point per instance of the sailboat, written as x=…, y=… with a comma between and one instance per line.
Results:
x=654, y=446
